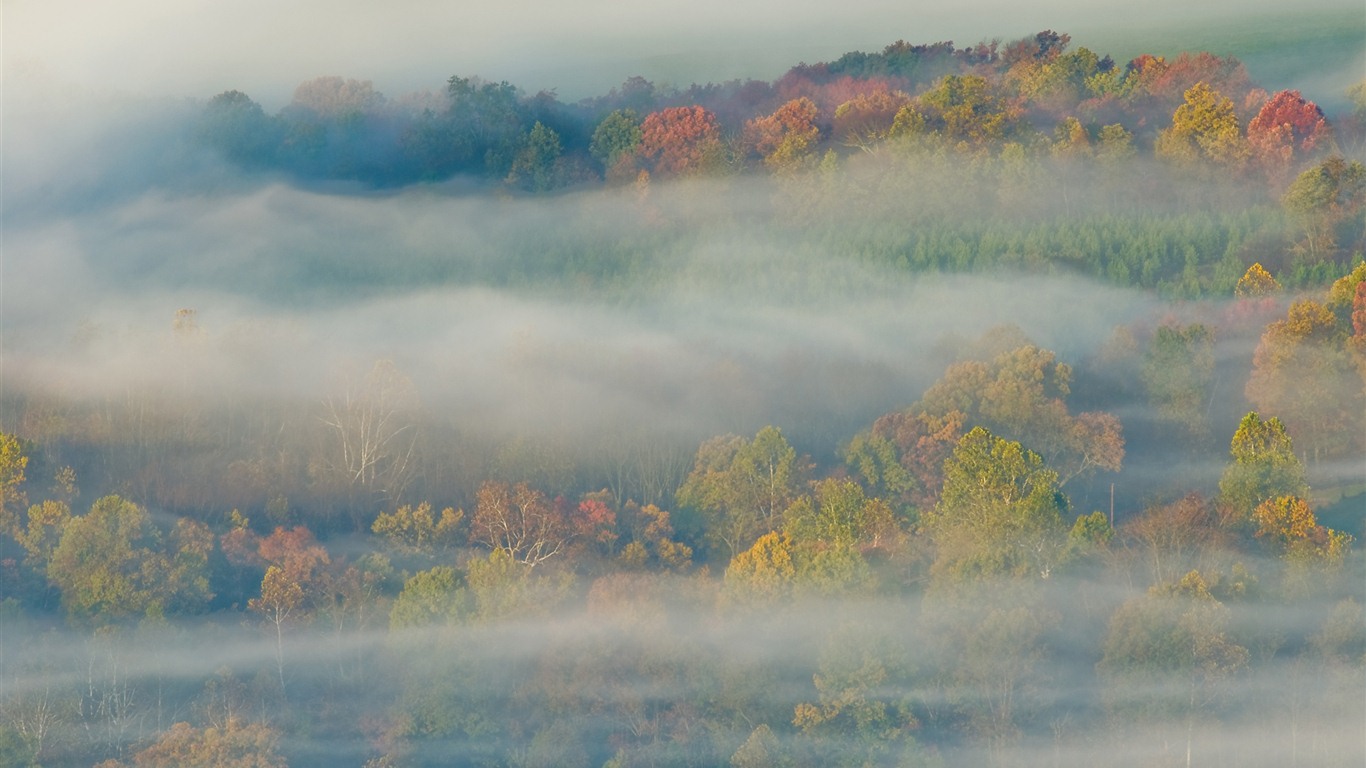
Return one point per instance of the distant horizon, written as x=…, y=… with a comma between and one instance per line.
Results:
x=579, y=58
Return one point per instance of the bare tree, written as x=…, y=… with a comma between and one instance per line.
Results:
x=373, y=426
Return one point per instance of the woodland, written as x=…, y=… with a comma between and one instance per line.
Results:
x=773, y=468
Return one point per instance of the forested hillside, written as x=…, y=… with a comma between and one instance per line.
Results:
x=995, y=405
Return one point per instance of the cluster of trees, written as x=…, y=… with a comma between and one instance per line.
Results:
x=1163, y=173
x=957, y=584
x=1034, y=96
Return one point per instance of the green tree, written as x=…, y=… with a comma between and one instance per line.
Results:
x=416, y=530
x=741, y=487
x=536, y=166
x=1178, y=372
x=1000, y=513
x=110, y=565
x=616, y=138
x=1325, y=197
x=430, y=597
x=1264, y=465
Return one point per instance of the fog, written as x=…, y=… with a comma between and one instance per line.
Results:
x=597, y=320
x=158, y=48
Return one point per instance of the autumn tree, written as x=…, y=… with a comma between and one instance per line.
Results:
x=681, y=140
x=786, y=138
x=520, y=522
x=294, y=573
x=1286, y=128
x=1304, y=372
x=1000, y=513
x=901, y=458
x=1256, y=282
x=960, y=109
x=1176, y=537
x=1204, y=128
x=653, y=542
x=866, y=120
x=13, y=461
x=235, y=744
x=1264, y=465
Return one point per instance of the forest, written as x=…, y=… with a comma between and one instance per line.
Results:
x=1001, y=405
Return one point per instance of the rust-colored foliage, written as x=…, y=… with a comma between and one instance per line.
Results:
x=867, y=118
x=1288, y=125
x=786, y=136
x=680, y=140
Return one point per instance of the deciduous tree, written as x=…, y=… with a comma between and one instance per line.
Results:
x=1000, y=513
x=1264, y=465
x=1304, y=372
x=1204, y=128
x=681, y=140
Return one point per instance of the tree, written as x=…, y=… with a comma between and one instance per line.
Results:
x=519, y=522
x=238, y=129
x=1177, y=537
x=1303, y=371
x=1264, y=465
x=763, y=574
x=1000, y=513
x=1325, y=197
x=1256, y=282
x=742, y=486
x=1204, y=128
x=483, y=124
x=536, y=166
x=110, y=565
x=282, y=597
x=866, y=120
x=680, y=140
x=615, y=143
x=416, y=530
x=1286, y=127
x=1178, y=372
x=430, y=597
x=964, y=108
x=13, y=461
x=786, y=138
x=1021, y=394
x=1170, y=652
x=233, y=745
x=373, y=424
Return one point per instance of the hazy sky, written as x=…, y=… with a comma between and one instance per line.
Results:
x=199, y=47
